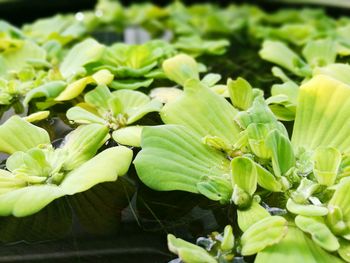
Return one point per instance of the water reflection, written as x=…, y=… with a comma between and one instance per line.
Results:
x=96, y=211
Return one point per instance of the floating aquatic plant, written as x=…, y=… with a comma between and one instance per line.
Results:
x=115, y=110
x=36, y=173
x=226, y=154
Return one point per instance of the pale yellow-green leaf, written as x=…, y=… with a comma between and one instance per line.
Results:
x=322, y=116
x=17, y=134
x=130, y=136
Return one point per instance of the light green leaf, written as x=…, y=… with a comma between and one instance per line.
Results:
x=17, y=134
x=319, y=232
x=165, y=95
x=174, y=158
x=181, y=68
x=103, y=77
x=281, y=152
x=244, y=174
x=241, y=93
x=130, y=136
x=15, y=60
x=322, y=113
x=266, y=232
x=130, y=84
x=210, y=113
x=257, y=134
x=9, y=182
x=251, y=215
x=49, y=90
x=295, y=247
x=81, y=115
x=338, y=71
x=74, y=89
x=326, y=166
x=37, y=116
x=344, y=250
x=16, y=202
x=341, y=199
x=187, y=252
x=138, y=113
x=216, y=188
x=81, y=54
x=267, y=180
x=98, y=97
x=306, y=209
x=279, y=53
x=104, y=167
x=320, y=52
x=228, y=239
x=83, y=143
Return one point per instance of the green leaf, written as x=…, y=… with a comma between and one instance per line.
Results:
x=188, y=252
x=15, y=60
x=17, y=134
x=257, y=134
x=104, y=167
x=295, y=247
x=341, y=199
x=103, y=77
x=338, y=71
x=281, y=152
x=136, y=104
x=9, y=182
x=130, y=136
x=16, y=202
x=81, y=115
x=228, y=239
x=210, y=113
x=326, y=166
x=216, y=188
x=319, y=232
x=322, y=112
x=241, y=93
x=181, y=68
x=165, y=95
x=267, y=180
x=248, y=217
x=344, y=250
x=98, y=97
x=320, y=52
x=130, y=84
x=74, y=89
x=83, y=143
x=266, y=232
x=37, y=116
x=279, y=53
x=81, y=54
x=48, y=90
x=173, y=158
x=244, y=174
x=306, y=209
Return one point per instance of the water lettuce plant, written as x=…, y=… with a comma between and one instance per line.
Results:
x=235, y=155
x=37, y=173
x=284, y=186
x=115, y=110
